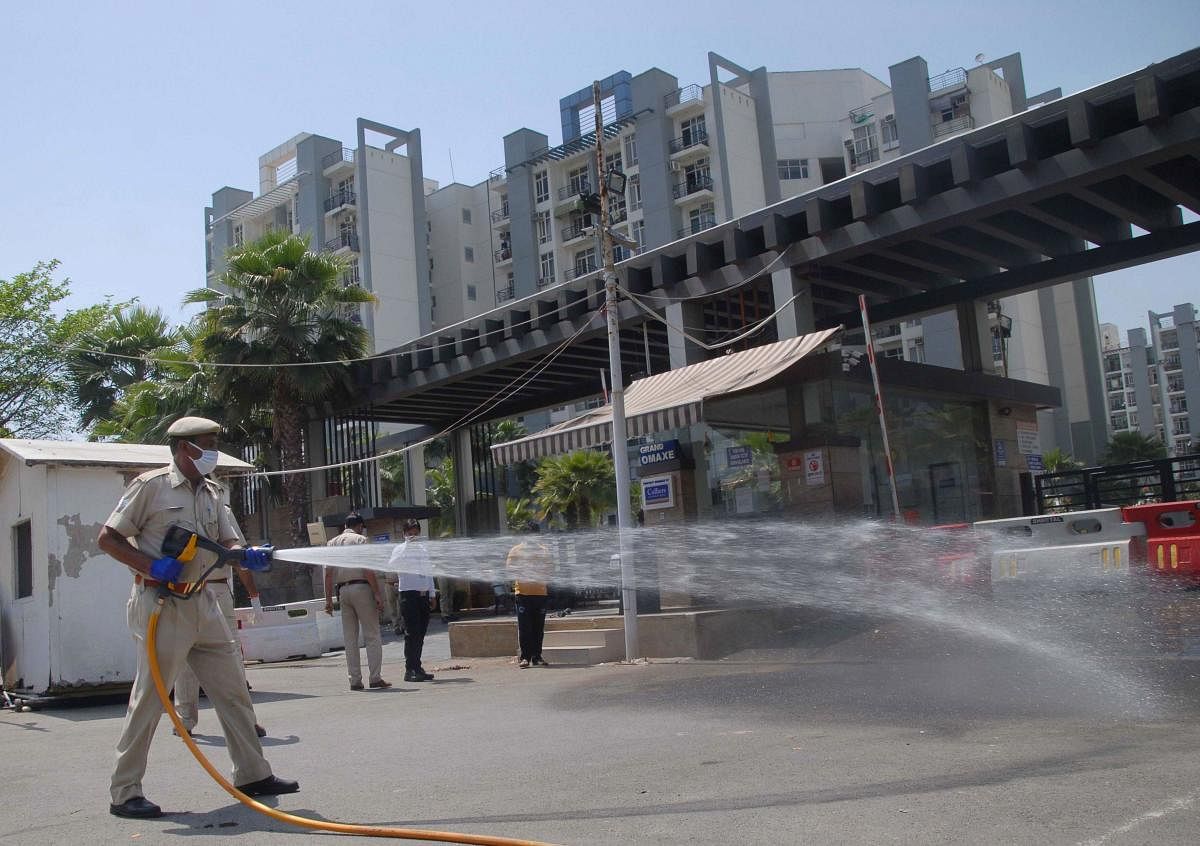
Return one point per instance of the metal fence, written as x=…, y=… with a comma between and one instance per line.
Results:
x=1163, y=480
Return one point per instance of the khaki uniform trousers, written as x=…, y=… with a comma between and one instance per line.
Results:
x=187, y=686
x=190, y=632
x=358, y=609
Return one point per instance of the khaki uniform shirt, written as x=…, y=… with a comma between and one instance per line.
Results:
x=532, y=566
x=159, y=499
x=347, y=574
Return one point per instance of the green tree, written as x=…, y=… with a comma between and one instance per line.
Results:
x=393, y=486
x=576, y=486
x=517, y=514
x=1127, y=447
x=35, y=387
x=111, y=360
x=283, y=305
x=440, y=493
x=1057, y=461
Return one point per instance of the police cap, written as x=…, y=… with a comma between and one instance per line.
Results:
x=186, y=427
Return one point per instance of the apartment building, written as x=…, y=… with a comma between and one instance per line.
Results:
x=365, y=202
x=1153, y=383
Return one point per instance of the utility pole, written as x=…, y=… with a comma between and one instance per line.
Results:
x=620, y=441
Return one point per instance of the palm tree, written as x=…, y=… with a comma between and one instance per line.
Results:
x=122, y=343
x=517, y=514
x=1128, y=447
x=392, y=478
x=1058, y=461
x=285, y=305
x=576, y=486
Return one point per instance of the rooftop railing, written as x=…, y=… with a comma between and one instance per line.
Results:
x=687, y=94
x=343, y=155
x=949, y=79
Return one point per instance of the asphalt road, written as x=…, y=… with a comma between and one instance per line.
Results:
x=845, y=730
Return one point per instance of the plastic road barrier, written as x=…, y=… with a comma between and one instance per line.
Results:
x=1084, y=550
x=278, y=633
x=1172, y=537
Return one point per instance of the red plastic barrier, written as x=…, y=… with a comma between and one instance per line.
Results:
x=1172, y=536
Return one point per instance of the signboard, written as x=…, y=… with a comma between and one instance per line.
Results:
x=658, y=452
x=794, y=462
x=1001, y=453
x=814, y=467
x=384, y=538
x=739, y=456
x=1034, y=463
x=1028, y=442
x=657, y=492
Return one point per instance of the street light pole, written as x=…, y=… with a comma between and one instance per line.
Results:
x=620, y=439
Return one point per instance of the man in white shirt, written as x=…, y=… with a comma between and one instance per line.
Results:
x=411, y=560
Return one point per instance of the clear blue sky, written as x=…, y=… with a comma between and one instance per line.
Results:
x=121, y=118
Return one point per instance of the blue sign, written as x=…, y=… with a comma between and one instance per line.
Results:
x=656, y=493
x=1001, y=454
x=739, y=456
x=1034, y=463
x=657, y=453
x=384, y=538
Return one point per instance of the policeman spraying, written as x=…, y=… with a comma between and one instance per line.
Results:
x=173, y=499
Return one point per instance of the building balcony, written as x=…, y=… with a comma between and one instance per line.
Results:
x=500, y=215
x=545, y=281
x=575, y=231
x=580, y=269
x=505, y=294
x=707, y=221
x=954, y=78
x=340, y=200
x=683, y=99
x=695, y=141
x=502, y=255
x=345, y=241
x=343, y=158
x=351, y=277
x=953, y=127
x=498, y=178
x=692, y=185
x=572, y=191
x=617, y=215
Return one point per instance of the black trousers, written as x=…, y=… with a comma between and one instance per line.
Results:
x=531, y=625
x=414, y=609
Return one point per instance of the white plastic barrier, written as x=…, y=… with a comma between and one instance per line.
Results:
x=278, y=633
x=329, y=628
x=1083, y=549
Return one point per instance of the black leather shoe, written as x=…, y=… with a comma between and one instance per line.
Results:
x=418, y=676
x=269, y=786
x=137, y=808
x=356, y=686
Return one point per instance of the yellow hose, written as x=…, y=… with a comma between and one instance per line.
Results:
x=303, y=822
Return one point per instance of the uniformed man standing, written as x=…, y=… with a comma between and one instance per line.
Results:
x=191, y=631
x=361, y=599
x=187, y=686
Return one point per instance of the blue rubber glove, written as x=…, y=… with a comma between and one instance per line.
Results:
x=257, y=558
x=166, y=570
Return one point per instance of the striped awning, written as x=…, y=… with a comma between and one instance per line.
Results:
x=668, y=400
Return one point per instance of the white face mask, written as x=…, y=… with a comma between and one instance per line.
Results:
x=207, y=462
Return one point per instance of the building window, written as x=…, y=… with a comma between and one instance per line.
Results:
x=692, y=131
x=466, y=216
x=471, y=293
x=468, y=254
x=541, y=186
x=635, y=193
x=22, y=534
x=631, y=149
x=793, y=168
x=866, y=144
x=637, y=231
x=546, y=269
x=585, y=261
x=702, y=218
x=577, y=180
x=612, y=161
x=888, y=132
x=542, y=224
x=916, y=352
x=239, y=235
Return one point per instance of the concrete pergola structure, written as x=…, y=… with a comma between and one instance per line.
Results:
x=1084, y=185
